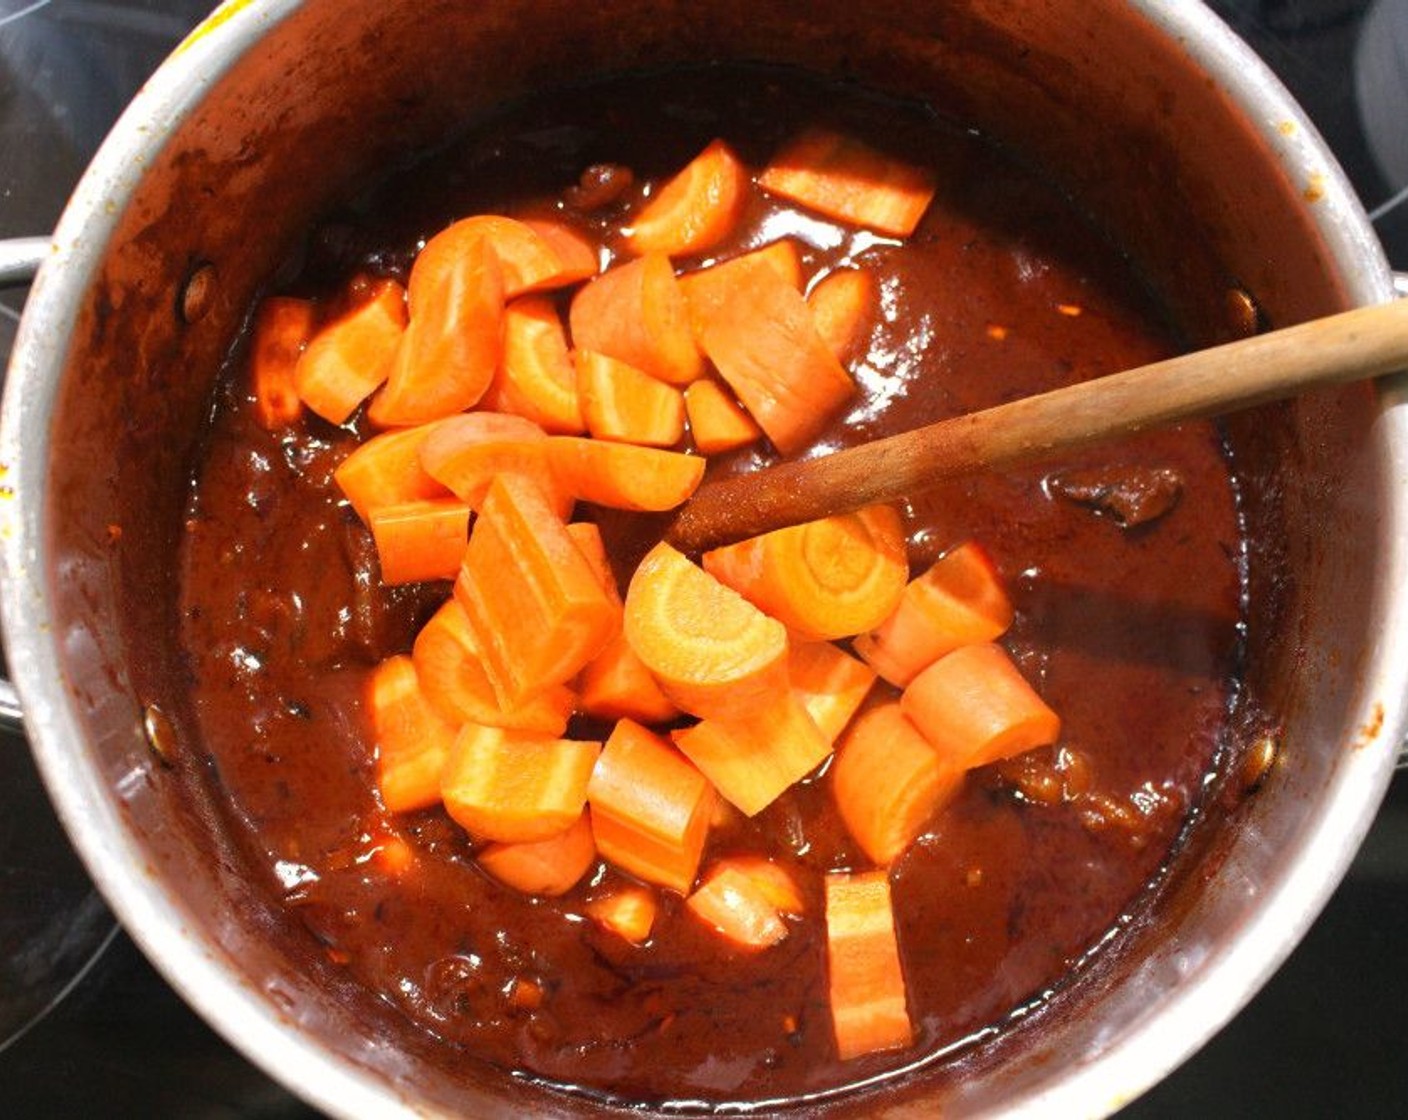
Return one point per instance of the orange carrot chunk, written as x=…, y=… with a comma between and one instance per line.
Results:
x=823, y=579
x=705, y=289
x=712, y=652
x=547, y=867
x=889, y=781
x=533, y=255
x=830, y=683
x=752, y=757
x=392, y=856
x=535, y=378
x=412, y=739
x=717, y=422
x=620, y=402
x=763, y=340
x=282, y=328
x=621, y=475
x=452, y=344
x=628, y=911
x=841, y=303
x=420, y=540
x=451, y=672
x=637, y=313
x=865, y=985
x=734, y=905
x=386, y=471
x=535, y=604
x=349, y=357
x=696, y=209
x=774, y=881
x=516, y=786
x=616, y=685
x=958, y=601
x=975, y=707
x=845, y=179
x=650, y=808
x=466, y=453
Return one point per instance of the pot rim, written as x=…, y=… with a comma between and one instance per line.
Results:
x=253, y=1024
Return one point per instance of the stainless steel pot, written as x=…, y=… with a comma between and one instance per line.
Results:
x=1150, y=113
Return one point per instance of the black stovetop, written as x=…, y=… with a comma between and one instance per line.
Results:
x=1324, y=1038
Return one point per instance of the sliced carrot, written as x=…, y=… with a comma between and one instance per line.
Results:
x=536, y=607
x=773, y=880
x=451, y=672
x=696, y=209
x=637, y=313
x=548, y=867
x=650, y=808
x=959, y=600
x=620, y=402
x=889, y=781
x=587, y=536
x=735, y=906
x=628, y=911
x=349, y=357
x=282, y=328
x=829, y=578
x=621, y=475
x=533, y=255
x=865, y=984
x=975, y=707
x=843, y=178
x=705, y=289
x=616, y=685
x=717, y=422
x=712, y=652
x=840, y=304
x=453, y=342
x=535, y=378
x=420, y=540
x=753, y=756
x=830, y=683
x=763, y=340
x=466, y=453
x=386, y=470
x=516, y=786
x=392, y=855
x=412, y=739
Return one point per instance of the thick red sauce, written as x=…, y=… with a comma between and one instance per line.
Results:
x=1130, y=633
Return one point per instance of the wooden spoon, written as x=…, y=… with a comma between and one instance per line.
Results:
x=1350, y=346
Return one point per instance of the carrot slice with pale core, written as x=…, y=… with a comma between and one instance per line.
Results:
x=735, y=906
x=420, y=540
x=637, y=313
x=830, y=683
x=865, y=984
x=696, y=209
x=282, y=327
x=650, y=808
x=621, y=475
x=349, y=357
x=843, y=178
x=535, y=378
x=975, y=707
x=622, y=403
x=516, y=786
x=712, y=652
x=386, y=471
x=829, y=578
x=412, y=739
x=717, y=422
x=959, y=600
x=546, y=867
x=889, y=781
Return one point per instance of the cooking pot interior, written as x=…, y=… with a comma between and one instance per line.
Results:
x=1096, y=95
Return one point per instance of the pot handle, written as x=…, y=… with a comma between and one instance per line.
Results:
x=20, y=259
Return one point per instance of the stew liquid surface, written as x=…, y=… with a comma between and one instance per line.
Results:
x=1129, y=631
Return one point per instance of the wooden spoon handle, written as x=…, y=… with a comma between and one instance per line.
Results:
x=1366, y=342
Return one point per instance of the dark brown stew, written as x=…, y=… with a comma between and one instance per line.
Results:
x=1123, y=563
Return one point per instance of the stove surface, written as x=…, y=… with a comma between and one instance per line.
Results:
x=87, y=1028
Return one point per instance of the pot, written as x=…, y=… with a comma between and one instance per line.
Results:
x=1201, y=166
